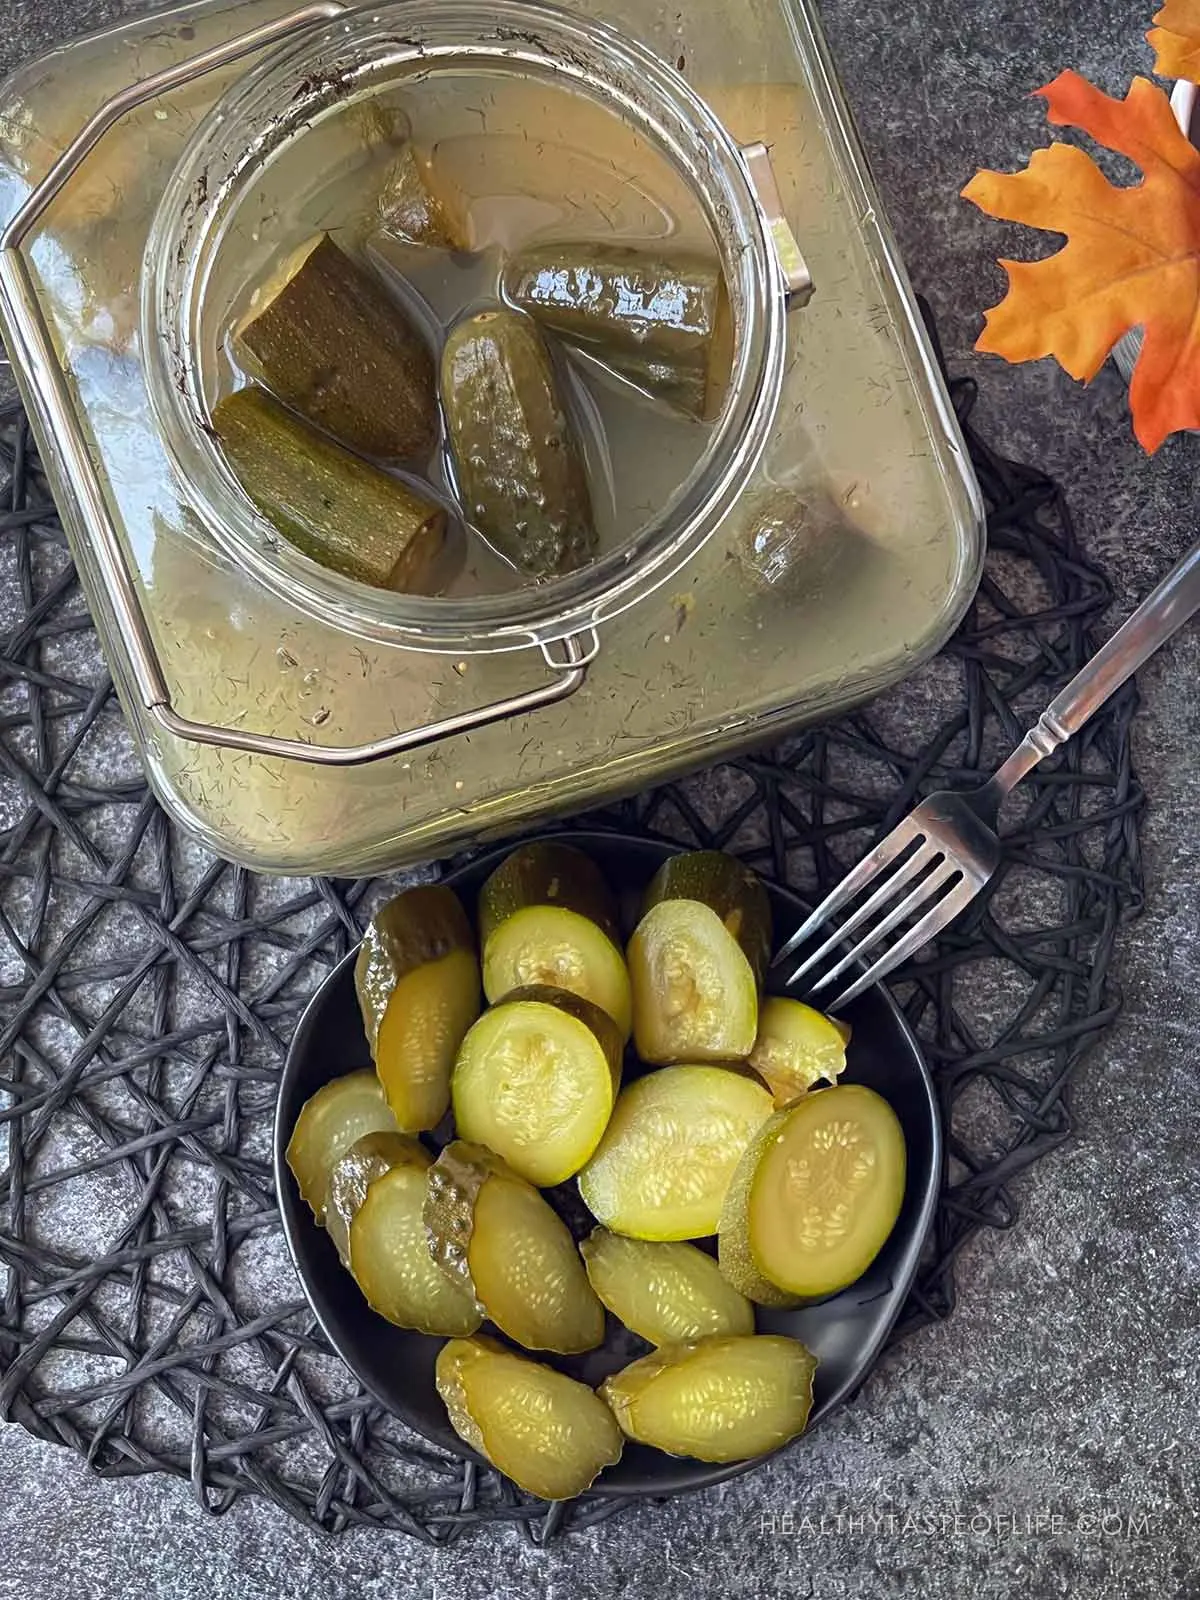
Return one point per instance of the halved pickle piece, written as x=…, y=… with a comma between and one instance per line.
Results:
x=814, y=1197
x=417, y=979
x=664, y=1292
x=670, y=1150
x=727, y=886
x=354, y=1173
x=797, y=1047
x=697, y=958
x=494, y=1235
x=535, y=1081
x=718, y=1399
x=546, y=916
x=330, y=1121
x=548, y=1433
x=390, y=1259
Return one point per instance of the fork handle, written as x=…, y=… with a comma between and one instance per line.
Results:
x=1161, y=614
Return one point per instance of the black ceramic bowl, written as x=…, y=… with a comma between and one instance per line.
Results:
x=846, y=1333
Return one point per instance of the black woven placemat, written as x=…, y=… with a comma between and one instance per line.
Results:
x=151, y=1320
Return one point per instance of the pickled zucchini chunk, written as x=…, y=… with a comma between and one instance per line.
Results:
x=354, y=1173
x=336, y=508
x=415, y=209
x=498, y=1240
x=330, y=1122
x=662, y=323
x=519, y=466
x=332, y=343
x=696, y=960
x=797, y=1047
x=546, y=916
x=670, y=1150
x=551, y=1435
x=664, y=1292
x=390, y=1258
x=716, y=1399
x=536, y=1080
x=814, y=1197
x=417, y=979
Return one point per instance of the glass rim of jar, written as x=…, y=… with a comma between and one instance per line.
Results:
x=346, y=63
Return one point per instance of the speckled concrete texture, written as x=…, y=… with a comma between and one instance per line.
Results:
x=1045, y=1441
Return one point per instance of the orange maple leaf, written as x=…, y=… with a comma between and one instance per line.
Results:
x=1132, y=256
x=1176, y=40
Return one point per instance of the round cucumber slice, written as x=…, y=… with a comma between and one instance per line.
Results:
x=727, y=886
x=535, y=1081
x=417, y=979
x=333, y=1119
x=797, y=1047
x=695, y=995
x=391, y=1261
x=552, y=947
x=814, y=1198
x=664, y=1292
x=548, y=1433
x=718, y=1399
x=670, y=1150
x=500, y=1241
x=367, y=1159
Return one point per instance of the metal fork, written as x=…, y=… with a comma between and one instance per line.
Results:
x=945, y=850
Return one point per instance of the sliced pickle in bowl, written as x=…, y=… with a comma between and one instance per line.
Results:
x=354, y=1173
x=670, y=1150
x=664, y=1291
x=550, y=1434
x=797, y=1047
x=814, y=1198
x=697, y=958
x=716, y=1399
x=341, y=1113
x=546, y=916
x=390, y=1258
x=496, y=1237
x=536, y=1079
x=418, y=987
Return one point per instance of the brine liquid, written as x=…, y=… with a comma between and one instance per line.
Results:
x=526, y=162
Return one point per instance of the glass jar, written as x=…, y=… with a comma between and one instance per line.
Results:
x=297, y=721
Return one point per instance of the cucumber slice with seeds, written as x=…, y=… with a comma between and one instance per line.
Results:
x=719, y=1399
x=535, y=1081
x=697, y=958
x=391, y=1260
x=367, y=1159
x=417, y=980
x=814, y=1198
x=663, y=1292
x=330, y=1122
x=797, y=1047
x=670, y=1150
x=548, y=1433
x=546, y=916
x=498, y=1240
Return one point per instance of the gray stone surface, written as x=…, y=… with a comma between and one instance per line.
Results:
x=1058, y=1408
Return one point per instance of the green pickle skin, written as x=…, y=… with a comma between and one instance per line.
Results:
x=520, y=469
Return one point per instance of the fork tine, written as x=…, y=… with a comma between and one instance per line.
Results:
x=857, y=878
x=931, y=924
x=923, y=856
x=942, y=872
